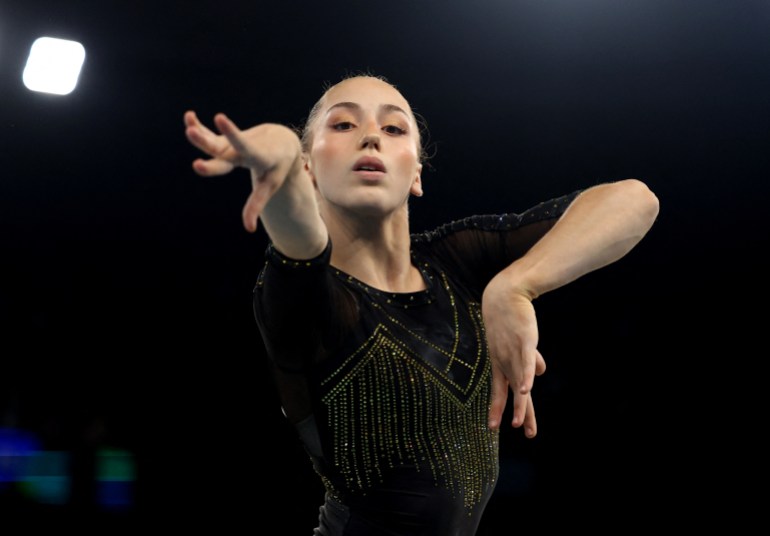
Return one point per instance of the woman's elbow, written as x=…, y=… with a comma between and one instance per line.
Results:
x=641, y=199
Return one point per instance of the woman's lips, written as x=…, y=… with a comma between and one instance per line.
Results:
x=369, y=164
x=369, y=175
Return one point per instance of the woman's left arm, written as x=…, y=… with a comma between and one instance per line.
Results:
x=599, y=227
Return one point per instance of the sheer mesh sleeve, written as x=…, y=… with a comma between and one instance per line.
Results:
x=292, y=310
x=289, y=299
x=476, y=248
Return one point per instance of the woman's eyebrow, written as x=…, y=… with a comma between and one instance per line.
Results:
x=355, y=107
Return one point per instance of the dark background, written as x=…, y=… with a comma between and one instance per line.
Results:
x=126, y=278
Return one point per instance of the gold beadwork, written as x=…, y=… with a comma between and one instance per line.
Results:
x=412, y=412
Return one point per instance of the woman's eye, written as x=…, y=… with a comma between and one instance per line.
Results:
x=342, y=125
x=393, y=129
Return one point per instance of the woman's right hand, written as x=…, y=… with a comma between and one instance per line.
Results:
x=272, y=152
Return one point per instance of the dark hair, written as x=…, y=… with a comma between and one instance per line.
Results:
x=305, y=133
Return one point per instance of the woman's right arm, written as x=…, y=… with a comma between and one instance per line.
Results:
x=282, y=195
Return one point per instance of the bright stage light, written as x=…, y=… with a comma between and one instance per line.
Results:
x=54, y=65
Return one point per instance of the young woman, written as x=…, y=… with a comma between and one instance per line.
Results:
x=394, y=352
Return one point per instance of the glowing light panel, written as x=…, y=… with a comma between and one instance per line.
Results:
x=54, y=65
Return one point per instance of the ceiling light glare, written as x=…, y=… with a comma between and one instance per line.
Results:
x=53, y=65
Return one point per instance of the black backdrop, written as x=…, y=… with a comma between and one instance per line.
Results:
x=126, y=278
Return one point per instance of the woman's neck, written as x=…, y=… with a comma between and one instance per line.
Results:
x=378, y=254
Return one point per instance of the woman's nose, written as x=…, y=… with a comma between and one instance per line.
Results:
x=370, y=139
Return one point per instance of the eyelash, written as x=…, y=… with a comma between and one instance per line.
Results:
x=390, y=129
x=337, y=126
x=398, y=130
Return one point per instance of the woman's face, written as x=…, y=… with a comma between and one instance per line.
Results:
x=364, y=155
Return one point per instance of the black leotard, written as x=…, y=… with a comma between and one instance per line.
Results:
x=390, y=392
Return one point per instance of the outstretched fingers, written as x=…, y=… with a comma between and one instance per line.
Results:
x=230, y=130
x=262, y=191
x=211, y=167
x=523, y=405
x=201, y=136
x=499, y=397
x=241, y=150
x=191, y=119
x=217, y=146
x=530, y=422
x=532, y=364
x=253, y=208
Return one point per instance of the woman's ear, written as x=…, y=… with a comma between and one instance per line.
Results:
x=309, y=168
x=416, y=188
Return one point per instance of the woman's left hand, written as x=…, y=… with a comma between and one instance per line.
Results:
x=512, y=334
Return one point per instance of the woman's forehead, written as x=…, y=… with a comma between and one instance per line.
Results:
x=365, y=91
